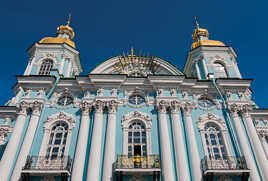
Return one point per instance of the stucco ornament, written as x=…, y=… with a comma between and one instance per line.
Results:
x=62, y=116
x=4, y=130
x=203, y=119
x=134, y=115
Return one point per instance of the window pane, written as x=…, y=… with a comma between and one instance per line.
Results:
x=143, y=140
x=129, y=140
x=57, y=141
x=136, y=133
x=129, y=133
x=137, y=140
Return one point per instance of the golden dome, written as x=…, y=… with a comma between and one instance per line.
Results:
x=55, y=40
x=207, y=42
x=66, y=29
x=65, y=34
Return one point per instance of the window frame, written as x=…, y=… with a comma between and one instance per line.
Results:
x=220, y=123
x=45, y=68
x=130, y=118
x=49, y=123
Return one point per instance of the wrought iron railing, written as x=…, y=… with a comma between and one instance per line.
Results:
x=149, y=161
x=44, y=163
x=225, y=163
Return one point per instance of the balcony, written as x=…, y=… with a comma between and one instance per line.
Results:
x=131, y=165
x=40, y=165
x=229, y=165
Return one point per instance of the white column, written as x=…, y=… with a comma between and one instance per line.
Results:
x=180, y=149
x=165, y=147
x=244, y=145
x=13, y=143
x=256, y=143
x=81, y=147
x=109, y=154
x=27, y=141
x=193, y=148
x=265, y=144
x=93, y=170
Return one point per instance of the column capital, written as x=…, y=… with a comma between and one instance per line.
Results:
x=85, y=107
x=245, y=108
x=36, y=108
x=162, y=106
x=234, y=109
x=187, y=108
x=175, y=106
x=112, y=106
x=99, y=106
x=22, y=108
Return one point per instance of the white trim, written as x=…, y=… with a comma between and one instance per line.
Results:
x=128, y=119
x=48, y=123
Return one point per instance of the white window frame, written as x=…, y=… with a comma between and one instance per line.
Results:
x=48, y=125
x=46, y=72
x=217, y=120
x=128, y=119
x=219, y=74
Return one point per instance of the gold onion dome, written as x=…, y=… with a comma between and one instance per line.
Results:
x=65, y=34
x=201, y=37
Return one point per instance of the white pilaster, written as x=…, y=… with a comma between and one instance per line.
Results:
x=193, y=148
x=205, y=67
x=197, y=71
x=180, y=149
x=243, y=142
x=165, y=147
x=81, y=147
x=93, y=170
x=12, y=146
x=27, y=141
x=109, y=154
x=256, y=143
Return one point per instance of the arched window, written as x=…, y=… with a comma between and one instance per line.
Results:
x=137, y=142
x=46, y=67
x=214, y=141
x=220, y=70
x=57, y=140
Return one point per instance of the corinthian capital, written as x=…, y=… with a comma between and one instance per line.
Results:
x=234, y=109
x=112, y=106
x=175, y=106
x=187, y=108
x=245, y=108
x=99, y=105
x=22, y=108
x=162, y=106
x=36, y=107
x=85, y=107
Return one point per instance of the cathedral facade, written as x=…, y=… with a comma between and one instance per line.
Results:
x=133, y=117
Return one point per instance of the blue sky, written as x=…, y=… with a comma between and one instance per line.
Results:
x=163, y=28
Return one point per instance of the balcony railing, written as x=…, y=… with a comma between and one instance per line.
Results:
x=129, y=162
x=44, y=163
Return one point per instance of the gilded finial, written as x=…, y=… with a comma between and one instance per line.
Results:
x=69, y=19
x=196, y=22
x=132, y=51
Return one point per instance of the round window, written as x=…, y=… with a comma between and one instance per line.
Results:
x=65, y=100
x=136, y=99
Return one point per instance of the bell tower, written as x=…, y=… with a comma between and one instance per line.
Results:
x=55, y=54
x=210, y=57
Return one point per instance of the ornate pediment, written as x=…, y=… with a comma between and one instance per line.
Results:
x=62, y=116
x=137, y=115
x=136, y=65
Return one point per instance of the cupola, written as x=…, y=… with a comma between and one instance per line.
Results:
x=65, y=34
